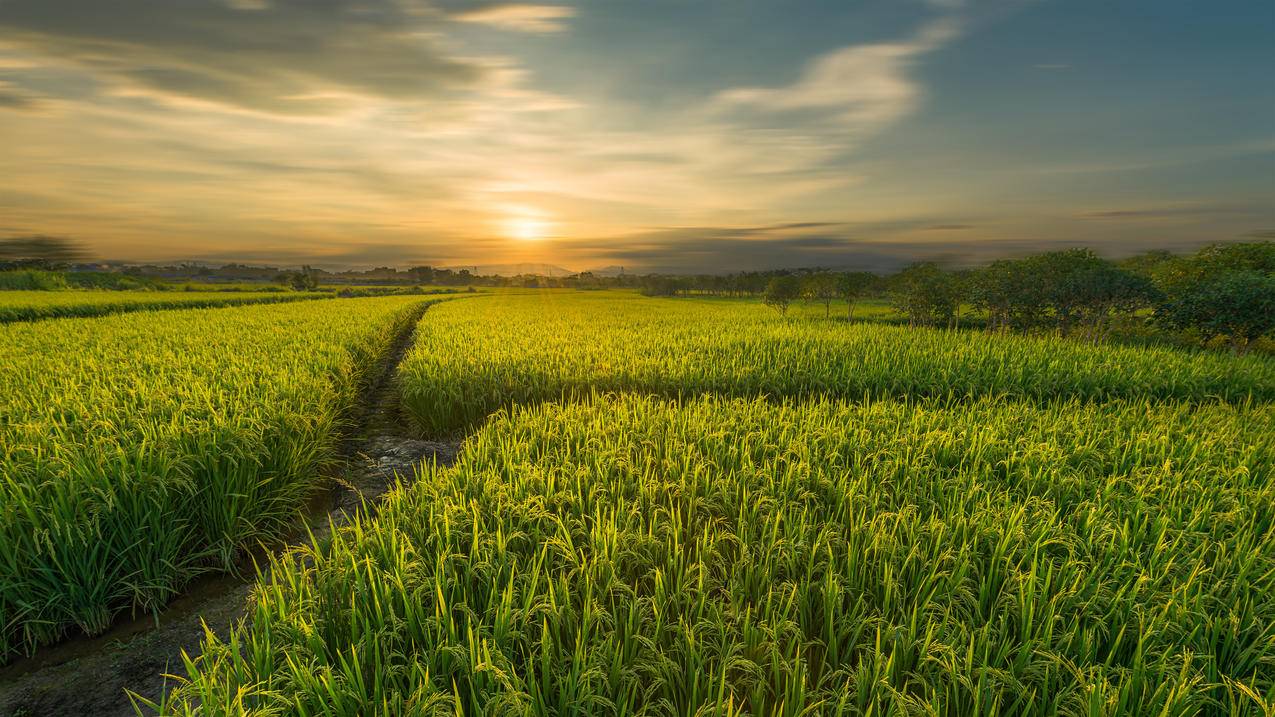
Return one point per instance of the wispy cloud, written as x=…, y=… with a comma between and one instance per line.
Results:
x=860, y=87
x=13, y=97
x=834, y=246
x=521, y=17
x=284, y=56
x=260, y=119
x=1159, y=158
x=1168, y=212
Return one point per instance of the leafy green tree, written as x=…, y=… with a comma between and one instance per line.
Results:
x=304, y=280
x=781, y=291
x=854, y=285
x=1150, y=264
x=661, y=286
x=1064, y=278
x=422, y=274
x=821, y=288
x=1239, y=306
x=1212, y=262
x=1257, y=257
x=1009, y=293
x=1081, y=289
x=925, y=294
x=1107, y=291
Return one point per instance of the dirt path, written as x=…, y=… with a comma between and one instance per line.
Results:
x=90, y=676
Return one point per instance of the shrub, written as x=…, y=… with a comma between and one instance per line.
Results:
x=32, y=280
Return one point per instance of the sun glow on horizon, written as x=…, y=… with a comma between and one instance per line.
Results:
x=525, y=224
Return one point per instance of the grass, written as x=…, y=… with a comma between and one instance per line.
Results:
x=33, y=305
x=629, y=555
x=137, y=451
x=499, y=351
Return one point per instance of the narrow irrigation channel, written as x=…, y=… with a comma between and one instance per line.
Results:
x=92, y=676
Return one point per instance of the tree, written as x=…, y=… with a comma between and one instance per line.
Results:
x=304, y=280
x=1111, y=291
x=1061, y=277
x=821, y=288
x=1080, y=288
x=854, y=285
x=780, y=292
x=1212, y=262
x=1074, y=288
x=1239, y=306
x=1257, y=257
x=422, y=274
x=1149, y=263
x=660, y=286
x=1009, y=293
x=925, y=294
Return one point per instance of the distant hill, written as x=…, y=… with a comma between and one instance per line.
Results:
x=613, y=270
x=515, y=269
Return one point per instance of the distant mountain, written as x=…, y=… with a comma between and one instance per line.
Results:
x=515, y=269
x=613, y=270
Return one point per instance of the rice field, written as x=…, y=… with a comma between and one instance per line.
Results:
x=140, y=450
x=32, y=305
x=500, y=351
x=660, y=507
x=629, y=555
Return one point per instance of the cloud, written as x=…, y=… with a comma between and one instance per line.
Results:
x=718, y=250
x=279, y=56
x=333, y=258
x=1160, y=213
x=521, y=18
x=420, y=114
x=15, y=98
x=1156, y=159
x=860, y=87
x=709, y=249
x=434, y=142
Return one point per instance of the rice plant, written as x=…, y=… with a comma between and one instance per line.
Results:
x=139, y=450
x=628, y=555
x=499, y=351
x=32, y=305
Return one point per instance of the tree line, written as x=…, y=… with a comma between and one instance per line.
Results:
x=1223, y=291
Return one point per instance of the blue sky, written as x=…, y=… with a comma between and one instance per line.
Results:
x=705, y=135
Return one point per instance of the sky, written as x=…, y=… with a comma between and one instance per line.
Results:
x=657, y=135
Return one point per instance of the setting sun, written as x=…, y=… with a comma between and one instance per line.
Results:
x=525, y=227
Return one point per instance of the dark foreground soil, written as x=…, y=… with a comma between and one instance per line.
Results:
x=93, y=676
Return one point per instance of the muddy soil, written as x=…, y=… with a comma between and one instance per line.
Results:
x=92, y=676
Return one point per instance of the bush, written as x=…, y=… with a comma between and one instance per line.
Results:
x=32, y=280
x=1238, y=306
x=113, y=281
